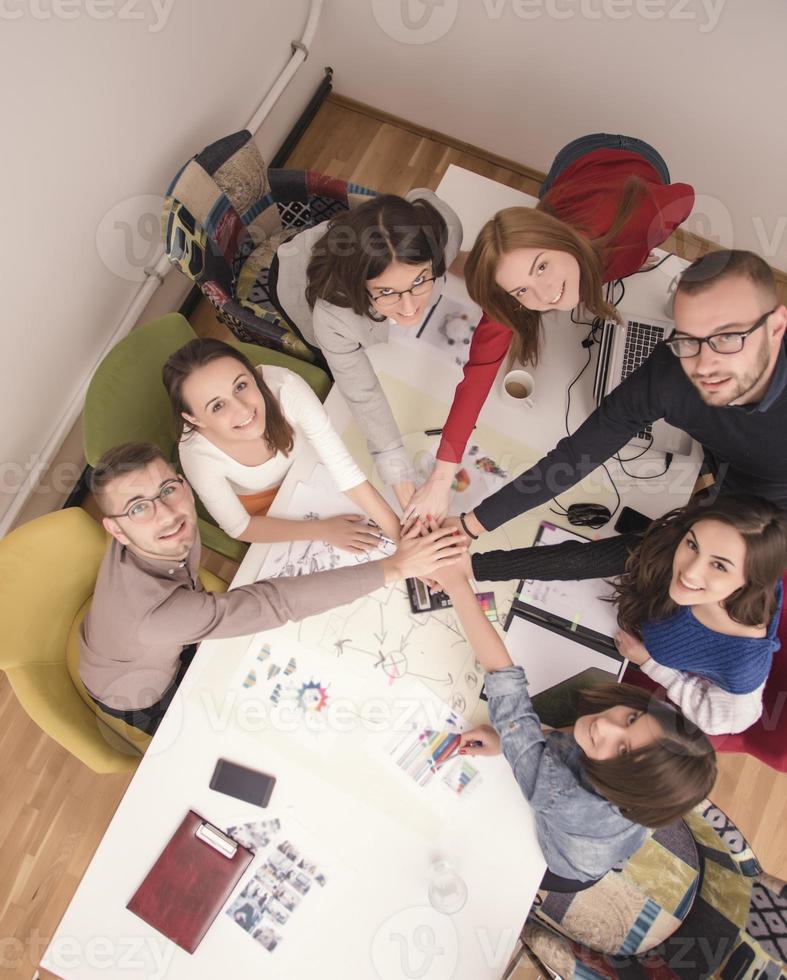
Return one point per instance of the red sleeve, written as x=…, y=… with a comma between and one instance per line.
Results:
x=587, y=194
x=489, y=346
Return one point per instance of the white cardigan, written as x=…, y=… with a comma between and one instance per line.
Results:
x=218, y=478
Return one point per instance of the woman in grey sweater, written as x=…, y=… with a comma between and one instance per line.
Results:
x=342, y=283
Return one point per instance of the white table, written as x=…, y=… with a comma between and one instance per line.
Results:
x=378, y=922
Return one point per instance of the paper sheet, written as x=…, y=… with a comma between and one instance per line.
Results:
x=549, y=658
x=579, y=603
x=449, y=329
x=299, y=691
x=311, y=501
x=477, y=477
x=285, y=881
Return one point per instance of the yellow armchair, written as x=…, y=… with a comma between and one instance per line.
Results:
x=48, y=570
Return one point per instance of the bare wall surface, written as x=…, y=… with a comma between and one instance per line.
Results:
x=704, y=81
x=103, y=100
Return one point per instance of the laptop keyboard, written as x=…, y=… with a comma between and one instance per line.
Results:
x=641, y=338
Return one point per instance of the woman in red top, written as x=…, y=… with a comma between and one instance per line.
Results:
x=606, y=202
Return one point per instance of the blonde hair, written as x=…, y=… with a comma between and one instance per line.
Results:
x=514, y=228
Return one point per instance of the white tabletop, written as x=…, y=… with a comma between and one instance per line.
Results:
x=379, y=839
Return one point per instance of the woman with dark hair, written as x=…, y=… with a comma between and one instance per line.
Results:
x=630, y=762
x=606, y=202
x=698, y=604
x=240, y=429
x=342, y=283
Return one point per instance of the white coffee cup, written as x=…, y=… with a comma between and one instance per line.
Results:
x=518, y=386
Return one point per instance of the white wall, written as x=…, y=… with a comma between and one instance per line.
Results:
x=103, y=101
x=702, y=80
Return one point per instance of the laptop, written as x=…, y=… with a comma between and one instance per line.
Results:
x=622, y=349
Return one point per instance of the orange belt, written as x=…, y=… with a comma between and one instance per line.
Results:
x=258, y=504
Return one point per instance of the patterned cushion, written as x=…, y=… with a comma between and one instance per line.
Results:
x=631, y=910
x=737, y=927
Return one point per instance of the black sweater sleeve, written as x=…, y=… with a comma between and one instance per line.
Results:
x=640, y=399
x=569, y=561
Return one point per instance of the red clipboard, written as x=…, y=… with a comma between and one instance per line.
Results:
x=190, y=882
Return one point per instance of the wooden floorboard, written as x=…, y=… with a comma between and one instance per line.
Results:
x=55, y=810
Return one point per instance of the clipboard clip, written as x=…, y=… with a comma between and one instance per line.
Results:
x=216, y=839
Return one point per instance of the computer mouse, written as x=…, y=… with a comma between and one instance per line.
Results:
x=588, y=515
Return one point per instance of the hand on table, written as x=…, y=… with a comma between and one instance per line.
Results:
x=486, y=735
x=631, y=647
x=350, y=532
x=423, y=556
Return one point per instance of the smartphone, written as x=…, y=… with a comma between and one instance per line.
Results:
x=242, y=783
x=631, y=521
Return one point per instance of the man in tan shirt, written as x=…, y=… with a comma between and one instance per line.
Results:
x=149, y=609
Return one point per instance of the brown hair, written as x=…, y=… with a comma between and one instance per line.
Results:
x=715, y=267
x=120, y=460
x=642, y=594
x=657, y=784
x=539, y=227
x=195, y=354
x=361, y=243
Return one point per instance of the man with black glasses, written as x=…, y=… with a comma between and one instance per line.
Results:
x=721, y=376
x=149, y=608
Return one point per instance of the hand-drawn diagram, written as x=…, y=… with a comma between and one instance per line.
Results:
x=381, y=631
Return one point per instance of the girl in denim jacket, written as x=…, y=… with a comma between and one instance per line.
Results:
x=630, y=762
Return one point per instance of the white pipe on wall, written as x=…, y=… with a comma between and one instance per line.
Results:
x=155, y=276
x=300, y=52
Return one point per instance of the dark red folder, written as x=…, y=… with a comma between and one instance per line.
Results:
x=186, y=888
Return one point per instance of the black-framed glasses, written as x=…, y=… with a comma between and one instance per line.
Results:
x=141, y=511
x=720, y=343
x=419, y=287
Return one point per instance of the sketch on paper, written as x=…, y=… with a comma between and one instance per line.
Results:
x=380, y=631
x=314, y=501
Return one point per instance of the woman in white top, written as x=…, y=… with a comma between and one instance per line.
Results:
x=343, y=282
x=240, y=430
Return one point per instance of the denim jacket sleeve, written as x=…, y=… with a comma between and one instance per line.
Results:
x=582, y=835
x=514, y=719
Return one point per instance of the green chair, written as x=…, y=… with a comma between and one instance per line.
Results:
x=127, y=402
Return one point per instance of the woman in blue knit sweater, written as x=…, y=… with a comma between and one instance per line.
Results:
x=698, y=605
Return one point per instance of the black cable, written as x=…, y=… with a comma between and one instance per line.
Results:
x=652, y=267
x=588, y=343
x=630, y=459
x=580, y=323
x=636, y=476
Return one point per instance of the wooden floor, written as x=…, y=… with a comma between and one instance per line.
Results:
x=55, y=811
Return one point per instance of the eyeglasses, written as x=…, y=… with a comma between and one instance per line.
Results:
x=721, y=343
x=142, y=511
x=418, y=288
